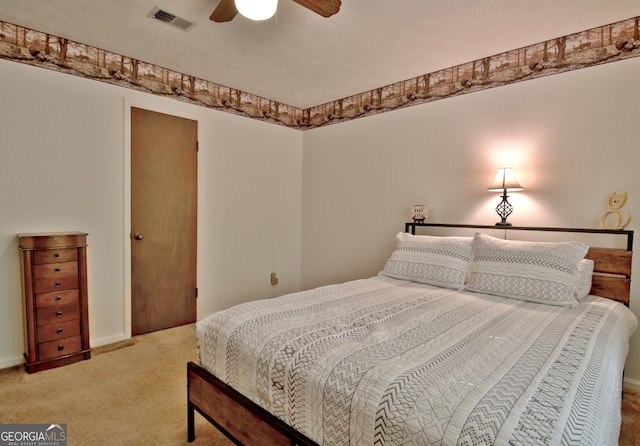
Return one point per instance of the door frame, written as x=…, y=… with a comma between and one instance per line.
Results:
x=169, y=109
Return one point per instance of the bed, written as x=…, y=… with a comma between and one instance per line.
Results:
x=464, y=340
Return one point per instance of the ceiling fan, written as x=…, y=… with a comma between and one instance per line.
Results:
x=226, y=9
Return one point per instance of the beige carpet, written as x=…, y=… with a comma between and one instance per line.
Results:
x=630, y=431
x=134, y=393
x=131, y=393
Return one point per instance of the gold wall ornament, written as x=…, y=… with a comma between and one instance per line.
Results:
x=616, y=201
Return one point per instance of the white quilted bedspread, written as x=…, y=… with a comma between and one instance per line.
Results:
x=388, y=362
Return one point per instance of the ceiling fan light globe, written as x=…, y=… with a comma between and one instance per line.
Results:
x=257, y=9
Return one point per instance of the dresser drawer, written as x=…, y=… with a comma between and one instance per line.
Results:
x=60, y=347
x=60, y=284
x=52, y=240
x=55, y=255
x=62, y=313
x=54, y=270
x=52, y=332
x=57, y=298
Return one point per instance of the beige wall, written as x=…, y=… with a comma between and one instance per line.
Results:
x=572, y=140
x=64, y=154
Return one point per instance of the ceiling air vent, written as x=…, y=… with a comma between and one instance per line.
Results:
x=171, y=19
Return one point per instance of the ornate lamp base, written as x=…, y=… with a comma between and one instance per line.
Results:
x=504, y=209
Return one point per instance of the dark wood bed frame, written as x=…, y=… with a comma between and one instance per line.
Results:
x=246, y=423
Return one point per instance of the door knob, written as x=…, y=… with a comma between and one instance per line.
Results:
x=138, y=236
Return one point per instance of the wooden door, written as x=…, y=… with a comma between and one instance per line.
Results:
x=163, y=220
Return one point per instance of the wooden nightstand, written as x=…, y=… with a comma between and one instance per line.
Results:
x=54, y=272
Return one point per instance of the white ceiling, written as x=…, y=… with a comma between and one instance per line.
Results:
x=302, y=59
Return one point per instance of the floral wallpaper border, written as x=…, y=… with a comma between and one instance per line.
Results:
x=607, y=43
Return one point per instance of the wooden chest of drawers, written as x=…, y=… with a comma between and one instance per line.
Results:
x=54, y=270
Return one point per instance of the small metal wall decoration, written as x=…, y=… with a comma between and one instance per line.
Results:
x=616, y=201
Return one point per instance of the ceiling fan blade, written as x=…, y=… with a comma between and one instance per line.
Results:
x=224, y=12
x=326, y=8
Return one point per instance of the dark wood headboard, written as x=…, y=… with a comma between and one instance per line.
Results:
x=612, y=266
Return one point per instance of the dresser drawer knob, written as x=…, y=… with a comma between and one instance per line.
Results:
x=57, y=284
x=56, y=255
x=59, y=330
x=58, y=298
x=59, y=314
x=56, y=270
x=60, y=347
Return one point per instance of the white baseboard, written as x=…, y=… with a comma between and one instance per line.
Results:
x=19, y=360
x=11, y=362
x=631, y=383
x=109, y=340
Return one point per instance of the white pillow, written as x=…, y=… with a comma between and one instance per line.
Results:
x=440, y=261
x=582, y=285
x=533, y=271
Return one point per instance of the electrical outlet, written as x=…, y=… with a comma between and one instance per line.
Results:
x=274, y=279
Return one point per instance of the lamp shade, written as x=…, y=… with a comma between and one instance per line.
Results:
x=505, y=179
x=257, y=9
